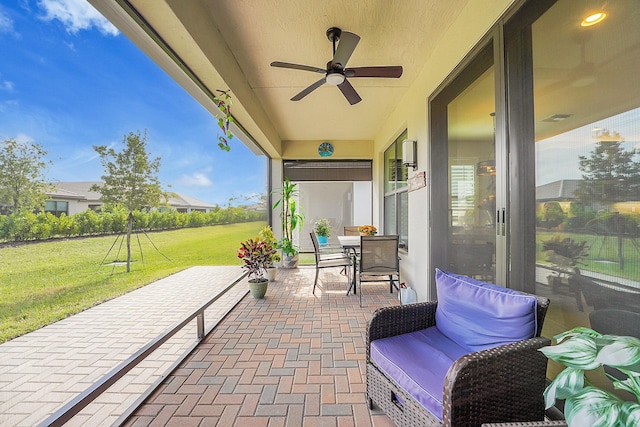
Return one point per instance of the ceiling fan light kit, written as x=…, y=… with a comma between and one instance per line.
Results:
x=336, y=72
x=335, y=78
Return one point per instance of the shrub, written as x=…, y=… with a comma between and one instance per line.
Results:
x=21, y=226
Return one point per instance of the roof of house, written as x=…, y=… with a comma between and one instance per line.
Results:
x=180, y=200
x=563, y=189
x=80, y=190
x=75, y=190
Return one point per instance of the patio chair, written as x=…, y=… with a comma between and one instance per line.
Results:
x=379, y=261
x=467, y=359
x=611, y=321
x=602, y=295
x=472, y=259
x=329, y=260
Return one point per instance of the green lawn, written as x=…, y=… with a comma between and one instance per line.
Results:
x=603, y=253
x=41, y=283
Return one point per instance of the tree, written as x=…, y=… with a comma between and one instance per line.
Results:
x=130, y=179
x=551, y=215
x=22, y=182
x=610, y=173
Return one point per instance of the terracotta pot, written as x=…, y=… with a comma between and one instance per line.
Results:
x=258, y=289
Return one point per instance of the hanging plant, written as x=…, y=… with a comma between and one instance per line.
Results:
x=223, y=101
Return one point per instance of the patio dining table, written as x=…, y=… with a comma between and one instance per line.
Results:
x=351, y=244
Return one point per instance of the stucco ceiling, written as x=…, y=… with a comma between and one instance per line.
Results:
x=229, y=44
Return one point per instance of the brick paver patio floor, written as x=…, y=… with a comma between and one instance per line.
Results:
x=292, y=359
x=41, y=371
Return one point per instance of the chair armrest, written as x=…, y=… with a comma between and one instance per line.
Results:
x=331, y=249
x=400, y=319
x=502, y=383
x=529, y=424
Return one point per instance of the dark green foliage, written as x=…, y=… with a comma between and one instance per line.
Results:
x=130, y=177
x=22, y=183
x=568, y=250
x=610, y=173
x=551, y=215
x=23, y=226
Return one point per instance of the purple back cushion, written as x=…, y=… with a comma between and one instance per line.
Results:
x=479, y=315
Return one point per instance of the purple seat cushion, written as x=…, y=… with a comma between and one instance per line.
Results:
x=418, y=362
x=478, y=315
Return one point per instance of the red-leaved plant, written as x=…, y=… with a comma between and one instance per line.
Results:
x=256, y=254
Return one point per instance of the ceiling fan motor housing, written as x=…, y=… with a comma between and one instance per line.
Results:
x=336, y=72
x=333, y=34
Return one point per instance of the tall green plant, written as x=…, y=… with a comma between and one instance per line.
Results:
x=292, y=217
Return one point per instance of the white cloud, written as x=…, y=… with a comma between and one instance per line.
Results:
x=196, y=179
x=6, y=105
x=77, y=15
x=6, y=23
x=24, y=138
x=6, y=85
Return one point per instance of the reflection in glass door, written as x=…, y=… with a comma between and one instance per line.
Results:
x=587, y=140
x=471, y=152
x=585, y=57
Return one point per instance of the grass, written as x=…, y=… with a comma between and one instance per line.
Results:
x=41, y=283
x=603, y=254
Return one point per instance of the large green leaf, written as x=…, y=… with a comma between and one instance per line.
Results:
x=579, y=331
x=630, y=414
x=619, y=352
x=578, y=352
x=567, y=383
x=593, y=407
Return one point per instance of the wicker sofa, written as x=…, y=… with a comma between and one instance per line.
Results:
x=499, y=384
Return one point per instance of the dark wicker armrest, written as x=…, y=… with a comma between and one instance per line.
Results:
x=529, y=424
x=402, y=319
x=505, y=383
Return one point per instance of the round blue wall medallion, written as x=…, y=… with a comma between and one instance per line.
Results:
x=325, y=149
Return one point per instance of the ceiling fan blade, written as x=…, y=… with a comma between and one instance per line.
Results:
x=346, y=46
x=308, y=90
x=349, y=92
x=298, y=67
x=390, y=72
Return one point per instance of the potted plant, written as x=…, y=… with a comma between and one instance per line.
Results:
x=267, y=235
x=322, y=228
x=583, y=349
x=292, y=218
x=367, y=230
x=256, y=254
x=564, y=254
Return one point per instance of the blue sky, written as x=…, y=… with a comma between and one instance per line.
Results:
x=69, y=80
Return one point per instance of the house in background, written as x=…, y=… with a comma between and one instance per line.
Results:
x=562, y=191
x=74, y=197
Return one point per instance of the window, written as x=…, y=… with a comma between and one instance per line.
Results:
x=396, y=198
x=57, y=208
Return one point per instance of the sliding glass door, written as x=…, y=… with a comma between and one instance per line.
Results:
x=466, y=216
x=587, y=158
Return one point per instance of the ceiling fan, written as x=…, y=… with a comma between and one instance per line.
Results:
x=336, y=72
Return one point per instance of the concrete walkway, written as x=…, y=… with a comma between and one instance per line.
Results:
x=41, y=371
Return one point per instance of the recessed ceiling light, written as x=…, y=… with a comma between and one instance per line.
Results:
x=593, y=19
